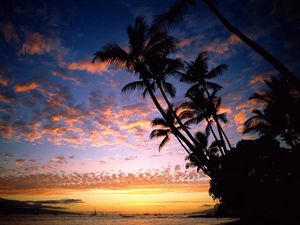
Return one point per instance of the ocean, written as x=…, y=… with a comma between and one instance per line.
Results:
x=108, y=220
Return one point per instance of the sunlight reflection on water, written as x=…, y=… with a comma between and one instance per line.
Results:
x=108, y=220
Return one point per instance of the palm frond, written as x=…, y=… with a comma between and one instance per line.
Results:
x=222, y=117
x=217, y=71
x=213, y=86
x=137, y=36
x=216, y=143
x=158, y=133
x=201, y=138
x=173, y=14
x=163, y=142
x=133, y=86
x=169, y=88
x=113, y=54
x=159, y=122
x=195, y=120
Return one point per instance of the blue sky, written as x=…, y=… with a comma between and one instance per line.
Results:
x=61, y=114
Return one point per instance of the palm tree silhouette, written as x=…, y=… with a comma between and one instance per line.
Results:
x=280, y=115
x=201, y=108
x=176, y=11
x=199, y=75
x=146, y=45
x=165, y=131
x=212, y=153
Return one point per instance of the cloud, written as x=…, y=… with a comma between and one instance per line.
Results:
x=36, y=43
x=9, y=33
x=59, y=159
x=54, y=202
x=3, y=80
x=260, y=78
x=88, y=66
x=187, y=41
x=104, y=179
x=32, y=85
x=129, y=158
x=6, y=130
x=77, y=80
x=19, y=162
x=240, y=117
x=221, y=47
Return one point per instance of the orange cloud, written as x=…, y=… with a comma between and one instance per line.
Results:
x=6, y=131
x=259, y=78
x=240, y=117
x=3, y=80
x=225, y=109
x=9, y=33
x=96, y=68
x=26, y=87
x=221, y=47
x=6, y=99
x=36, y=44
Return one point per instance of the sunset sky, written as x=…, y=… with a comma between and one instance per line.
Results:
x=67, y=131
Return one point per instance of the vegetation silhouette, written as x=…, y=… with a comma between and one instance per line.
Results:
x=176, y=11
x=247, y=179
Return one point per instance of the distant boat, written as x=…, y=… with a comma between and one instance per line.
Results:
x=94, y=213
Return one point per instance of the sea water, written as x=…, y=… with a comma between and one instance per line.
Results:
x=108, y=220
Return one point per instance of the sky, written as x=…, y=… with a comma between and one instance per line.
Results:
x=67, y=131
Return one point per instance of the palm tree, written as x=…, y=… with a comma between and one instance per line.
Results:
x=199, y=75
x=177, y=10
x=202, y=108
x=165, y=131
x=280, y=115
x=162, y=69
x=145, y=45
x=212, y=153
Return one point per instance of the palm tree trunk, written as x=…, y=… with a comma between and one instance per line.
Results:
x=286, y=73
x=176, y=117
x=214, y=134
x=203, y=160
x=217, y=122
x=227, y=140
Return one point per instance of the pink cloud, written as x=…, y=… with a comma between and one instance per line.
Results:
x=36, y=180
x=19, y=162
x=187, y=41
x=129, y=158
x=9, y=33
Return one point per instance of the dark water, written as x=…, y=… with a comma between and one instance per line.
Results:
x=107, y=220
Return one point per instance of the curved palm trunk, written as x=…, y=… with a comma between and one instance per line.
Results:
x=214, y=134
x=219, y=127
x=287, y=74
x=227, y=140
x=176, y=117
x=202, y=158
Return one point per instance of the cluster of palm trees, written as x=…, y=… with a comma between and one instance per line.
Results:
x=148, y=56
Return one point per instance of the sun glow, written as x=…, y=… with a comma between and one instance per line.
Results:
x=147, y=199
